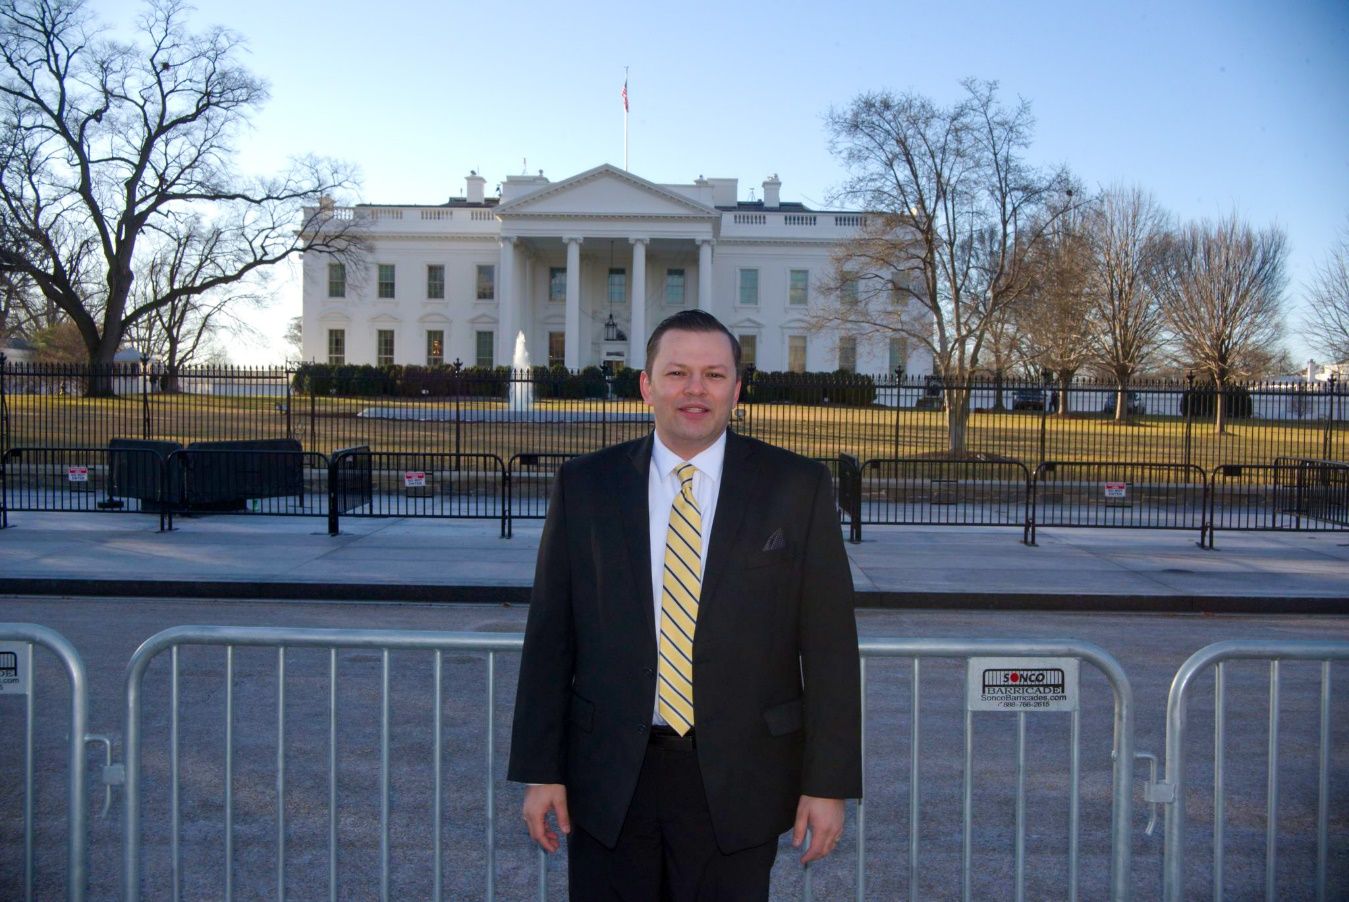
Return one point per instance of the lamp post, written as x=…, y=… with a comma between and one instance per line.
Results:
x=458, y=369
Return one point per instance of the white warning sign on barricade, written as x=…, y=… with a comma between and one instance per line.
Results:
x=1022, y=684
x=77, y=474
x=1116, y=491
x=414, y=479
x=14, y=668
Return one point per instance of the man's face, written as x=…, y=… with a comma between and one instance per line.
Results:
x=691, y=386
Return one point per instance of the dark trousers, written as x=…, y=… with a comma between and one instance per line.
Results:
x=666, y=851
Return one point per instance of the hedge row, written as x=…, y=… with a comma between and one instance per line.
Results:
x=442, y=381
x=560, y=383
x=839, y=387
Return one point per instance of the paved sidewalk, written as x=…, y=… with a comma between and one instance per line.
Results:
x=466, y=560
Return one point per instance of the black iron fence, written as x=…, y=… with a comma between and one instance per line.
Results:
x=551, y=411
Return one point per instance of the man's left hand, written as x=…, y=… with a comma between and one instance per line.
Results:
x=824, y=819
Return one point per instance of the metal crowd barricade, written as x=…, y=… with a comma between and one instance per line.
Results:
x=1177, y=788
x=529, y=481
x=246, y=481
x=237, y=752
x=1121, y=494
x=418, y=484
x=88, y=479
x=1292, y=494
x=947, y=491
x=1122, y=752
x=17, y=643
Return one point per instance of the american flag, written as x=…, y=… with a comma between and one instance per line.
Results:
x=625, y=95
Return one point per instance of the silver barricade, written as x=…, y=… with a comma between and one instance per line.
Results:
x=1173, y=791
x=1122, y=752
x=16, y=669
x=281, y=640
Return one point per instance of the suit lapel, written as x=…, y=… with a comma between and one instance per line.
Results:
x=631, y=496
x=738, y=482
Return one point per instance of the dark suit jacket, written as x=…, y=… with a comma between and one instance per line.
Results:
x=776, y=688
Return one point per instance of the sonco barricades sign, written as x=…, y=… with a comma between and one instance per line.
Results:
x=1022, y=684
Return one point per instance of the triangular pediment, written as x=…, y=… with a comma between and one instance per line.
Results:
x=605, y=191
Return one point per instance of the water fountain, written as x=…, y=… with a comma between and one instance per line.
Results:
x=521, y=392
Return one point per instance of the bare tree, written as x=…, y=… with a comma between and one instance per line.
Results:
x=294, y=338
x=1052, y=322
x=952, y=211
x=113, y=150
x=1222, y=294
x=1327, y=324
x=180, y=332
x=1128, y=236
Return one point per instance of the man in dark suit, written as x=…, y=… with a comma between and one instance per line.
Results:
x=689, y=683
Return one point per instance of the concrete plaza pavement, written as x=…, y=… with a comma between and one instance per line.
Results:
x=396, y=559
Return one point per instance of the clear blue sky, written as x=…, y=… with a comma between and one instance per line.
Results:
x=1214, y=107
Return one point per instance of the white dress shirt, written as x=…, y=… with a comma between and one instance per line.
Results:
x=662, y=486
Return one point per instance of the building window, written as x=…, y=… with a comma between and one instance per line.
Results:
x=435, y=347
x=337, y=347
x=674, y=287
x=847, y=354
x=618, y=286
x=384, y=347
x=749, y=288
x=484, y=353
x=557, y=284
x=749, y=350
x=899, y=354
x=557, y=348
x=848, y=291
x=798, y=288
x=435, y=282
x=796, y=353
x=337, y=280
x=386, y=280
x=487, y=282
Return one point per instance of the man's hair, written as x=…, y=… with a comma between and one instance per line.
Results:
x=689, y=321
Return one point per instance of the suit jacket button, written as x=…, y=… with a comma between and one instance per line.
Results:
x=641, y=727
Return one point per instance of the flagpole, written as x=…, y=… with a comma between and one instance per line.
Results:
x=625, y=118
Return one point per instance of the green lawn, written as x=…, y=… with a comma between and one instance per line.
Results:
x=326, y=424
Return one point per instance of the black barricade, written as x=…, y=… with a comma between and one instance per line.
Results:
x=1120, y=494
x=943, y=491
x=529, y=481
x=417, y=484
x=83, y=479
x=271, y=476
x=351, y=483
x=1293, y=495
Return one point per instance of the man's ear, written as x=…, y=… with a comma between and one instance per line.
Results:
x=644, y=383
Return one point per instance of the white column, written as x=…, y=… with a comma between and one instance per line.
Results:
x=705, y=274
x=573, y=349
x=637, y=334
x=506, y=308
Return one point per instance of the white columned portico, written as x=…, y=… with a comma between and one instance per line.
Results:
x=507, y=309
x=705, y=274
x=572, y=352
x=637, y=334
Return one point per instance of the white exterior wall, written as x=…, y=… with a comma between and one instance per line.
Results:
x=605, y=207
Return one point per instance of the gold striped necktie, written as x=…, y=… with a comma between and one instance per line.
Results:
x=681, y=585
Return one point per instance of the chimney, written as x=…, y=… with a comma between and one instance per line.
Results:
x=476, y=186
x=772, y=191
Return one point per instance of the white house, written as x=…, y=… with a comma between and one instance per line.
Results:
x=584, y=267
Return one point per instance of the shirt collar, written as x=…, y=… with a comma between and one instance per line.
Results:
x=708, y=461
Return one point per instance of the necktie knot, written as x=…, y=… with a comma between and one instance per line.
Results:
x=685, y=473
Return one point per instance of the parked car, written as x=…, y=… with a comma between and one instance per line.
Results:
x=1028, y=399
x=1134, y=403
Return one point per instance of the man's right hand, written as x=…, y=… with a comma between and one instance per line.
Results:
x=539, y=800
